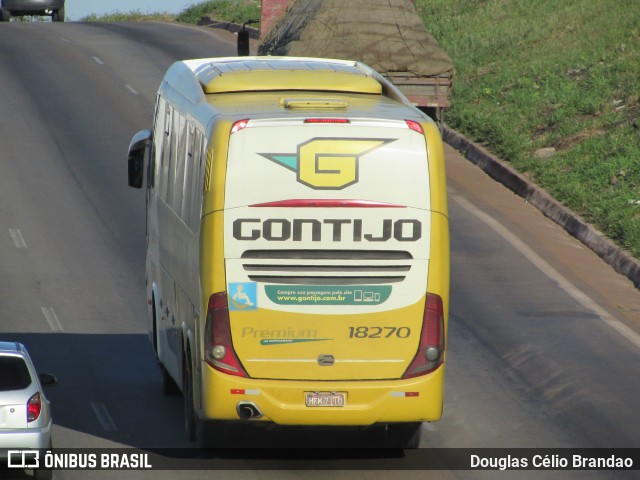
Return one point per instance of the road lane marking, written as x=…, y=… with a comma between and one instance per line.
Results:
x=66, y=40
x=98, y=60
x=573, y=291
x=131, y=89
x=52, y=319
x=103, y=417
x=17, y=237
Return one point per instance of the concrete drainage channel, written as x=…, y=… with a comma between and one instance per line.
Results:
x=621, y=260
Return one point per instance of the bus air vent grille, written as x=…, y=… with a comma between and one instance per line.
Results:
x=326, y=267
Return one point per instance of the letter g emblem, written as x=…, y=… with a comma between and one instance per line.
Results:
x=332, y=163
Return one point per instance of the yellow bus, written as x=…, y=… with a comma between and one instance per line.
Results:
x=297, y=247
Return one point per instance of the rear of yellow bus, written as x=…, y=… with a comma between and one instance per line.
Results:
x=328, y=301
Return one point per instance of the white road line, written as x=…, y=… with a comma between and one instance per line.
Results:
x=17, y=237
x=52, y=319
x=98, y=60
x=65, y=40
x=549, y=271
x=103, y=417
x=131, y=89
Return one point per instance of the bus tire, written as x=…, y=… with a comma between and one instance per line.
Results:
x=190, y=419
x=169, y=386
x=154, y=324
x=405, y=435
x=212, y=434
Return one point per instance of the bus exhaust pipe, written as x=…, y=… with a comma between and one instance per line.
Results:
x=248, y=410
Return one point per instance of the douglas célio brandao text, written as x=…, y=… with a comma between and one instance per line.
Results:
x=569, y=461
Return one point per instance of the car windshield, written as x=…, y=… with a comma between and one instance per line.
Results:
x=14, y=374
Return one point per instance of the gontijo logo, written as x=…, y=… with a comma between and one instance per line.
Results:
x=327, y=163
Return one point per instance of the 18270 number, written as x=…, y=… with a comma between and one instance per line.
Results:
x=379, y=332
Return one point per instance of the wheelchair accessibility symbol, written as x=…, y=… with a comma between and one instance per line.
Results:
x=243, y=296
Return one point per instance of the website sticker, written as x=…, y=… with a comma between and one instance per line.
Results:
x=328, y=295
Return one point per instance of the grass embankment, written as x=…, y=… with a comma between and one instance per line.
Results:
x=554, y=88
x=132, y=16
x=237, y=11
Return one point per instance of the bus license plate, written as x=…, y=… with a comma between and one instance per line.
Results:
x=325, y=399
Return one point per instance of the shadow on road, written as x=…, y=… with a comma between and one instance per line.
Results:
x=117, y=374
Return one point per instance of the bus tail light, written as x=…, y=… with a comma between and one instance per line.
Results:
x=239, y=125
x=34, y=407
x=415, y=126
x=219, y=352
x=431, y=349
x=327, y=120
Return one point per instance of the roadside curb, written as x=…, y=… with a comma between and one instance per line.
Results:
x=618, y=258
x=231, y=27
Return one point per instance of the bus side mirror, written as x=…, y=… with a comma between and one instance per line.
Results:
x=243, y=39
x=137, y=149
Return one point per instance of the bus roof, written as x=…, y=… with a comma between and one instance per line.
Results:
x=264, y=86
x=246, y=74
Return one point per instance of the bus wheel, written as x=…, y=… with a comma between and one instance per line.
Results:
x=212, y=434
x=405, y=435
x=169, y=386
x=189, y=412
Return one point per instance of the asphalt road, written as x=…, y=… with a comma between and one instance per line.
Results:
x=543, y=342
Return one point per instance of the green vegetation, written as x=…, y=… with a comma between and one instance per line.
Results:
x=133, y=16
x=235, y=11
x=533, y=74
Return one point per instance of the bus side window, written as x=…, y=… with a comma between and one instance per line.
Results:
x=171, y=158
x=187, y=177
x=165, y=155
x=179, y=160
x=199, y=158
x=151, y=168
x=156, y=143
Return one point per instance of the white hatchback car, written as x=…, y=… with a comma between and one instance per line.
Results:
x=25, y=412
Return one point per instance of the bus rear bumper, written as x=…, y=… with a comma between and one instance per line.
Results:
x=357, y=403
